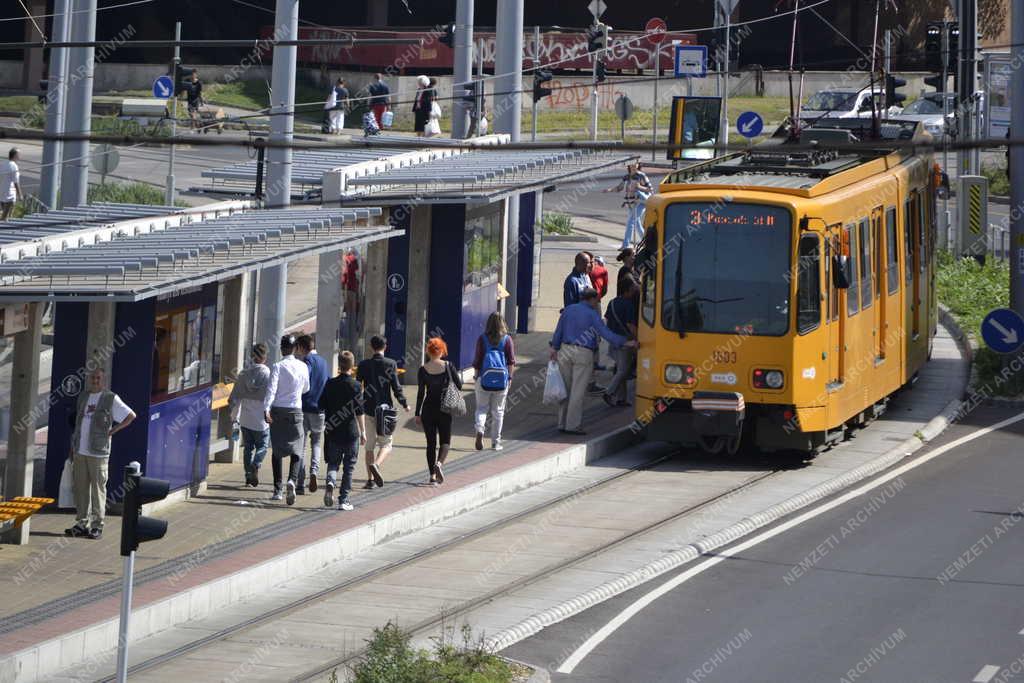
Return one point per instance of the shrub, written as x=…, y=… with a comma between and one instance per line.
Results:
x=128, y=193
x=557, y=223
x=998, y=181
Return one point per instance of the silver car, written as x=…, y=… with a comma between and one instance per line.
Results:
x=928, y=110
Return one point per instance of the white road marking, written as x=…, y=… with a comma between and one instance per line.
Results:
x=608, y=629
x=986, y=674
x=1020, y=632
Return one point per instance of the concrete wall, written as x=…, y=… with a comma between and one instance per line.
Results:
x=575, y=97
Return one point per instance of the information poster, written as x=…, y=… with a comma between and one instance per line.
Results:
x=997, y=102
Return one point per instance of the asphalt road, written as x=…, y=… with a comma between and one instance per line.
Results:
x=917, y=580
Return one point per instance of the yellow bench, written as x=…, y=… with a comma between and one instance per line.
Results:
x=14, y=512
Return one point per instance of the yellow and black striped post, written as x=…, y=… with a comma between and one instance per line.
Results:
x=972, y=201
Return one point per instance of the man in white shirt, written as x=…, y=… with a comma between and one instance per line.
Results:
x=289, y=380
x=10, y=184
x=100, y=415
x=247, y=402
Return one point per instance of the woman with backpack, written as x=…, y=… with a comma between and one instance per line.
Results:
x=436, y=379
x=494, y=363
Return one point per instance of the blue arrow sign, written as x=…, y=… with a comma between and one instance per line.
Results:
x=749, y=124
x=1003, y=330
x=163, y=87
x=691, y=61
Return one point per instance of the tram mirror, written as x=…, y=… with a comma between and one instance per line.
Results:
x=841, y=275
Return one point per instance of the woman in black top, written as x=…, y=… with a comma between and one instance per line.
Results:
x=344, y=428
x=433, y=377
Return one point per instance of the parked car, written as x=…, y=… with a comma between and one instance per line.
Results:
x=928, y=110
x=842, y=103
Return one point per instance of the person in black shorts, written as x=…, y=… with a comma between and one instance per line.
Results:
x=194, y=93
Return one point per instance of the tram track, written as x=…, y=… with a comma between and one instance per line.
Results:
x=295, y=606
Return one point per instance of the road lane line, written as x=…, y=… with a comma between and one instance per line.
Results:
x=1020, y=632
x=608, y=629
x=986, y=674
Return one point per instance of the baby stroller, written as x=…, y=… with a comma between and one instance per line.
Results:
x=370, y=126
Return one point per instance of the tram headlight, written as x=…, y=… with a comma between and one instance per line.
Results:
x=768, y=379
x=679, y=374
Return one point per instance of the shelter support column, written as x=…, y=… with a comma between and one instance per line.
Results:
x=418, y=299
x=375, y=285
x=329, y=302
x=233, y=354
x=21, y=438
x=99, y=340
x=272, y=303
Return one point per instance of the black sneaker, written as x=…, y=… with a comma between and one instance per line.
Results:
x=76, y=531
x=609, y=400
x=95, y=533
x=378, y=479
x=312, y=483
x=329, y=495
x=290, y=493
x=368, y=484
x=479, y=441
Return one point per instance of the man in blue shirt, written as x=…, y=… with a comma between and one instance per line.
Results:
x=577, y=280
x=312, y=416
x=572, y=347
x=622, y=319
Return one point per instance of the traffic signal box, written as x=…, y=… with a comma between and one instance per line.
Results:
x=136, y=528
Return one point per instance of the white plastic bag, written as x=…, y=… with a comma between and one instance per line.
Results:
x=66, y=494
x=554, y=387
x=435, y=110
x=432, y=128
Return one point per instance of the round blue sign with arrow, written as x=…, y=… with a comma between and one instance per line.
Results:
x=749, y=124
x=1003, y=330
x=163, y=87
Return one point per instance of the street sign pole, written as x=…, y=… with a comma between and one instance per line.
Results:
x=593, y=101
x=656, y=58
x=169, y=199
x=536, y=65
x=944, y=233
x=725, y=78
x=1017, y=163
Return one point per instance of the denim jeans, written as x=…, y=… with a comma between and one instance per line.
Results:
x=633, y=224
x=254, y=448
x=342, y=453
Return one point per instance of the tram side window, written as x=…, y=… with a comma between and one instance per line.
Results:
x=646, y=262
x=853, y=292
x=808, y=293
x=892, y=250
x=908, y=242
x=865, y=263
x=833, y=293
x=922, y=221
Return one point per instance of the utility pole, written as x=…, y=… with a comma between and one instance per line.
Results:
x=1017, y=161
x=463, y=71
x=536, y=65
x=274, y=279
x=967, y=11
x=944, y=236
x=508, y=69
x=725, y=74
x=81, y=60
x=656, y=58
x=169, y=200
x=481, y=95
x=49, y=174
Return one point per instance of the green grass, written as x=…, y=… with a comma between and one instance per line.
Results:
x=971, y=290
x=998, y=181
x=18, y=104
x=556, y=223
x=123, y=193
x=390, y=658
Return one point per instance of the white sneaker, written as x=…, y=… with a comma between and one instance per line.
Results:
x=329, y=495
x=346, y=506
x=496, y=445
x=289, y=496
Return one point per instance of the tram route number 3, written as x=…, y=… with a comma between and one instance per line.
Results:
x=723, y=356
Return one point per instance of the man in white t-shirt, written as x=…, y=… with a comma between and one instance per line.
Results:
x=100, y=415
x=10, y=184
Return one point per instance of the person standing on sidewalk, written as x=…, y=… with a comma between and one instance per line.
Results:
x=434, y=377
x=379, y=377
x=248, y=396
x=599, y=276
x=10, y=184
x=577, y=280
x=622, y=317
x=379, y=99
x=572, y=347
x=627, y=257
x=422, y=105
x=494, y=362
x=637, y=188
x=100, y=414
x=312, y=416
x=345, y=429
x=289, y=380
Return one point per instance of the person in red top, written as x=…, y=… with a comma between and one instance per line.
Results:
x=350, y=287
x=599, y=276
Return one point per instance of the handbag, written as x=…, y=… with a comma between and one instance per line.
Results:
x=66, y=494
x=452, y=401
x=432, y=128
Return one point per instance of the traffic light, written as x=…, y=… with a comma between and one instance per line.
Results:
x=936, y=81
x=601, y=72
x=597, y=37
x=182, y=77
x=448, y=38
x=933, y=45
x=540, y=91
x=135, y=527
x=891, y=96
x=470, y=91
x=954, y=46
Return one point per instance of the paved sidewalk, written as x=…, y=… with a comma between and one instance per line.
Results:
x=57, y=584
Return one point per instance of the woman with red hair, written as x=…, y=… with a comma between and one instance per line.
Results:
x=434, y=377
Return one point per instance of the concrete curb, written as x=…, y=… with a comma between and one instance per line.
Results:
x=575, y=237
x=539, y=675
x=53, y=655
x=541, y=620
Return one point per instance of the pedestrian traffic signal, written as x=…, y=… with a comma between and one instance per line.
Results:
x=135, y=527
x=601, y=72
x=540, y=91
x=597, y=38
x=936, y=81
x=954, y=45
x=471, y=91
x=933, y=45
x=448, y=37
x=891, y=96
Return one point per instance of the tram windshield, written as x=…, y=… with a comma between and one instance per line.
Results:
x=726, y=268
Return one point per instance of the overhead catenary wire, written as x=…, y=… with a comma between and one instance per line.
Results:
x=79, y=11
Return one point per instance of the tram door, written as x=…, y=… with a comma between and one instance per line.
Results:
x=834, y=241
x=877, y=250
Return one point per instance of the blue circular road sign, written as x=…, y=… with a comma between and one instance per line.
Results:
x=163, y=87
x=749, y=124
x=1003, y=330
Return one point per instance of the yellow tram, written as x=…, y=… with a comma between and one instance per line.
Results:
x=785, y=295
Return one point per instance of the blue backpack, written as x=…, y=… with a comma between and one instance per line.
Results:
x=494, y=370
